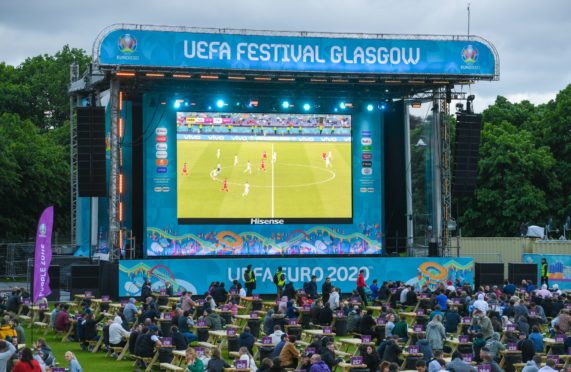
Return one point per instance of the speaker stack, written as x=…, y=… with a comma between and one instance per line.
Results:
x=85, y=278
x=521, y=271
x=91, y=173
x=489, y=274
x=466, y=153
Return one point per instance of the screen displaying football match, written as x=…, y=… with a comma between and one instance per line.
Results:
x=263, y=168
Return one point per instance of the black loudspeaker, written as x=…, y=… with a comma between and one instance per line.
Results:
x=489, y=274
x=521, y=271
x=433, y=250
x=109, y=279
x=466, y=153
x=54, y=274
x=85, y=278
x=91, y=173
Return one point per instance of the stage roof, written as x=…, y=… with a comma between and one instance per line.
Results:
x=187, y=52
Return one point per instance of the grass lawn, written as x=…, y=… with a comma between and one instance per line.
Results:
x=89, y=361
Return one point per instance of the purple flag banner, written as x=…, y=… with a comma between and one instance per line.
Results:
x=43, y=256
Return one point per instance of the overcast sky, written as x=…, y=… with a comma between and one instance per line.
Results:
x=532, y=37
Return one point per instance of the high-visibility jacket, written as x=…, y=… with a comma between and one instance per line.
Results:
x=250, y=276
x=544, y=270
x=281, y=278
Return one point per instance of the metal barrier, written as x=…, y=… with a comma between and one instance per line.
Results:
x=14, y=257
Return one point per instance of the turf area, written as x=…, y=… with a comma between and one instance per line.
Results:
x=89, y=361
x=297, y=185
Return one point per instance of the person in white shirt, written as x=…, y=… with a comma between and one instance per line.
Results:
x=235, y=160
x=248, y=168
x=481, y=304
x=246, y=189
x=245, y=355
x=334, y=299
x=277, y=335
x=218, y=154
x=549, y=366
x=117, y=334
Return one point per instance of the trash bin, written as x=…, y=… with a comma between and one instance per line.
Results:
x=265, y=352
x=202, y=334
x=305, y=319
x=341, y=326
x=254, y=325
x=256, y=305
x=233, y=344
x=166, y=327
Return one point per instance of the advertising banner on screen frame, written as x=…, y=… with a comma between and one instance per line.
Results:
x=291, y=53
x=196, y=274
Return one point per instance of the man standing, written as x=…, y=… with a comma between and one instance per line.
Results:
x=326, y=289
x=250, y=279
x=544, y=272
x=361, y=286
x=279, y=281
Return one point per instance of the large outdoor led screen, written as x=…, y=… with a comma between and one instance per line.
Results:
x=263, y=168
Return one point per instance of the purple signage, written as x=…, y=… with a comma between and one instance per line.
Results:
x=43, y=255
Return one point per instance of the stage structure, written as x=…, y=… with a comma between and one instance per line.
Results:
x=230, y=143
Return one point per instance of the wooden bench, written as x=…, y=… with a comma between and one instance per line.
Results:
x=234, y=354
x=206, y=345
x=146, y=360
x=170, y=367
x=25, y=319
x=42, y=325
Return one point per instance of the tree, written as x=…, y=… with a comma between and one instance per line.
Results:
x=515, y=177
x=35, y=174
x=37, y=89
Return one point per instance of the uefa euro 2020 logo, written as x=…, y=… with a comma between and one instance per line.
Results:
x=127, y=43
x=43, y=230
x=470, y=54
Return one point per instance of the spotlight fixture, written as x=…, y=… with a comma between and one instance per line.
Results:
x=220, y=103
x=285, y=104
x=370, y=107
x=306, y=106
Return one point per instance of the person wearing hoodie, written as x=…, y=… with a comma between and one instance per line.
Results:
x=246, y=339
x=268, y=322
x=481, y=304
x=532, y=365
x=318, y=365
x=214, y=321
x=353, y=319
x=435, y=333
x=424, y=347
x=118, y=335
x=482, y=324
x=495, y=346
x=276, y=335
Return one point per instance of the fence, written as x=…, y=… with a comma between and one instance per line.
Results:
x=14, y=258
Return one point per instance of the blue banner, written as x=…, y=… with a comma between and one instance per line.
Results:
x=196, y=274
x=287, y=53
x=559, y=268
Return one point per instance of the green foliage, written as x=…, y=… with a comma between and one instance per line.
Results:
x=37, y=89
x=34, y=142
x=524, y=168
x=35, y=174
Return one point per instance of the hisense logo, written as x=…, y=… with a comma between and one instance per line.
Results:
x=259, y=221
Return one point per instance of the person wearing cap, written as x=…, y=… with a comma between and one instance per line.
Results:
x=147, y=342
x=249, y=280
